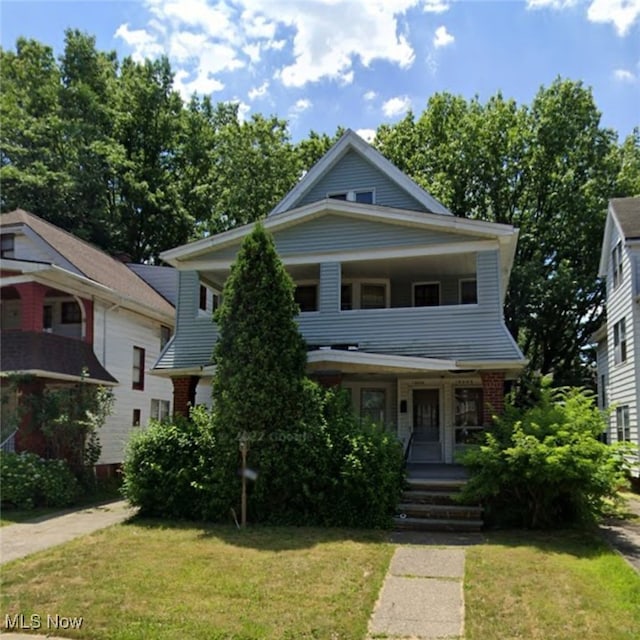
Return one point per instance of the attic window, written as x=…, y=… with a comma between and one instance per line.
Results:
x=7, y=245
x=364, y=196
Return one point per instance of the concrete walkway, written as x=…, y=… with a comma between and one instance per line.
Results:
x=20, y=540
x=624, y=535
x=422, y=595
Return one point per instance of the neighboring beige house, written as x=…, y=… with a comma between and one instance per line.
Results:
x=618, y=341
x=66, y=305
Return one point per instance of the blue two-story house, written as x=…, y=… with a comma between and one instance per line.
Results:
x=401, y=303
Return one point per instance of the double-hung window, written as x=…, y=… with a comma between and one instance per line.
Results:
x=623, y=424
x=616, y=264
x=137, y=375
x=620, y=342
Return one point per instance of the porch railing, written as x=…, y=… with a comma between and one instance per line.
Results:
x=8, y=445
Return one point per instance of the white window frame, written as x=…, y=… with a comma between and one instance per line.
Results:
x=616, y=264
x=460, y=282
x=426, y=282
x=159, y=409
x=385, y=400
x=356, y=288
x=620, y=342
x=623, y=423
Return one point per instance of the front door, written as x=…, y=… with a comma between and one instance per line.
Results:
x=426, y=445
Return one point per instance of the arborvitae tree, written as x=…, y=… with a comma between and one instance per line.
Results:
x=259, y=388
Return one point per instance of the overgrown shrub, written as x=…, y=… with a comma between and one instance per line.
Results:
x=544, y=466
x=329, y=469
x=163, y=467
x=28, y=481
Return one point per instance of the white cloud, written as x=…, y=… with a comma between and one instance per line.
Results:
x=551, y=4
x=328, y=35
x=320, y=39
x=436, y=6
x=442, y=38
x=370, y=95
x=202, y=83
x=302, y=105
x=622, y=13
x=624, y=75
x=396, y=106
x=243, y=110
x=258, y=92
x=367, y=134
x=143, y=43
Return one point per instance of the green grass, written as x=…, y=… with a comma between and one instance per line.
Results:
x=149, y=580
x=563, y=585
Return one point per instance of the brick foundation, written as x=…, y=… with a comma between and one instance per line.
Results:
x=493, y=395
x=184, y=394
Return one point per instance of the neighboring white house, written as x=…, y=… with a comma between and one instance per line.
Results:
x=65, y=306
x=401, y=303
x=618, y=341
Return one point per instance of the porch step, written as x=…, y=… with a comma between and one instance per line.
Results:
x=429, y=504
x=436, y=524
x=440, y=511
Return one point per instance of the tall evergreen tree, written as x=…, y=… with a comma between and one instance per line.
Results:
x=258, y=389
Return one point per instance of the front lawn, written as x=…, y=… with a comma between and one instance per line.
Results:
x=154, y=580
x=151, y=579
x=562, y=585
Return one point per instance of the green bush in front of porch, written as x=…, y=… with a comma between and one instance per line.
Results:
x=316, y=462
x=545, y=465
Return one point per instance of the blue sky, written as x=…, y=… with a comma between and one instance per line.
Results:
x=360, y=63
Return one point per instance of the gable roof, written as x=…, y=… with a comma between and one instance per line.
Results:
x=624, y=214
x=627, y=213
x=89, y=261
x=350, y=140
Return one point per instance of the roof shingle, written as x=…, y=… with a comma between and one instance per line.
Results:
x=90, y=261
x=627, y=213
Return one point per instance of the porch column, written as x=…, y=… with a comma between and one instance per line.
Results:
x=29, y=437
x=329, y=298
x=184, y=394
x=493, y=395
x=32, y=299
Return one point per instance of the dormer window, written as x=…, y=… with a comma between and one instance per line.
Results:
x=363, y=196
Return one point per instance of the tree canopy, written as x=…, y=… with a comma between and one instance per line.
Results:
x=108, y=149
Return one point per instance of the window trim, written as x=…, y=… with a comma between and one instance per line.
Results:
x=616, y=264
x=384, y=403
x=334, y=195
x=158, y=414
x=356, y=292
x=460, y=283
x=623, y=423
x=620, y=342
x=138, y=365
x=425, y=283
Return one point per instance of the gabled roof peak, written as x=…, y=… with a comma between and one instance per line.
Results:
x=350, y=140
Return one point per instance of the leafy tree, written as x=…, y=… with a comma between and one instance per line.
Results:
x=548, y=169
x=545, y=466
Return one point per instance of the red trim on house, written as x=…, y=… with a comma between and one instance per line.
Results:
x=32, y=296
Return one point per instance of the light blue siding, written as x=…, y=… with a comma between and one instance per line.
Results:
x=341, y=233
x=461, y=332
x=353, y=172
